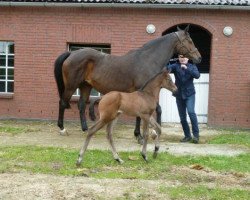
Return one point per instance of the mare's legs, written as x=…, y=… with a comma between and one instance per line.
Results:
x=158, y=113
x=145, y=138
x=137, y=132
x=85, y=90
x=92, y=108
x=98, y=125
x=61, y=116
x=64, y=104
x=109, y=129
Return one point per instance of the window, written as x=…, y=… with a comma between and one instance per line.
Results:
x=6, y=67
x=101, y=48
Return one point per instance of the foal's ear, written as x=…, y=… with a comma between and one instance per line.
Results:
x=178, y=28
x=165, y=71
x=187, y=28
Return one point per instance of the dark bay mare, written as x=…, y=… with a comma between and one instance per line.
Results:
x=141, y=103
x=88, y=68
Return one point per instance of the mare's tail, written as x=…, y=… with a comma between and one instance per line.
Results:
x=92, y=108
x=58, y=72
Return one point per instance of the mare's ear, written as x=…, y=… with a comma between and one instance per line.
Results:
x=178, y=28
x=187, y=28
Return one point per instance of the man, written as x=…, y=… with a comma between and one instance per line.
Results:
x=184, y=73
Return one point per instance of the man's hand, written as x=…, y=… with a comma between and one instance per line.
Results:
x=183, y=66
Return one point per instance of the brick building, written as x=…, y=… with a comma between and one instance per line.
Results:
x=33, y=33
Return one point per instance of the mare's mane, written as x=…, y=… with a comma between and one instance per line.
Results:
x=150, y=44
x=154, y=42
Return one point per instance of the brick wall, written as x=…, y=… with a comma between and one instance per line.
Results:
x=41, y=34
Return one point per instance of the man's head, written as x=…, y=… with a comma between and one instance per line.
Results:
x=182, y=59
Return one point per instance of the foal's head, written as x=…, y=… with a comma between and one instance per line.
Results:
x=185, y=45
x=168, y=82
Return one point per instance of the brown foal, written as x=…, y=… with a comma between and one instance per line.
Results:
x=141, y=103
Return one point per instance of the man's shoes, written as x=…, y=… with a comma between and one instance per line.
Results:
x=186, y=139
x=195, y=140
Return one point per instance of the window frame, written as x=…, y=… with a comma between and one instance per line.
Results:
x=105, y=48
x=6, y=80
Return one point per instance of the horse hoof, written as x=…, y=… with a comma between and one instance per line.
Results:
x=78, y=163
x=156, y=151
x=120, y=161
x=84, y=127
x=64, y=132
x=144, y=157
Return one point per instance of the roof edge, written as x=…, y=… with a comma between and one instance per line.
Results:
x=124, y=5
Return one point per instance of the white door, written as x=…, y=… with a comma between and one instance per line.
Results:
x=168, y=104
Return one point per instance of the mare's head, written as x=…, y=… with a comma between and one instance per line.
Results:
x=185, y=45
x=167, y=82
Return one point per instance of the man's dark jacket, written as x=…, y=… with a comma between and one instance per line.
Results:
x=184, y=79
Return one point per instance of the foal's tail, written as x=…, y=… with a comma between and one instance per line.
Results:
x=92, y=108
x=58, y=72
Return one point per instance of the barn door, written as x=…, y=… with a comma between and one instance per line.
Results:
x=168, y=104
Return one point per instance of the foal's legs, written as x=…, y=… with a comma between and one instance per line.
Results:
x=157, y=127
x=145, y=138
x=98, y=125
x=109, y=129
x=137, y=132
x=85, y=92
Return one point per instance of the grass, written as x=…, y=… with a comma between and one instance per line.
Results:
x=232, y=137
x=203, y=192
x=11, y=130
x=100, y=164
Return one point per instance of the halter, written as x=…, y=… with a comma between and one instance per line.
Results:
x=183, y=46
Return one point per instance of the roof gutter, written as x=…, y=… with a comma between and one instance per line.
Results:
x=125, y=5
